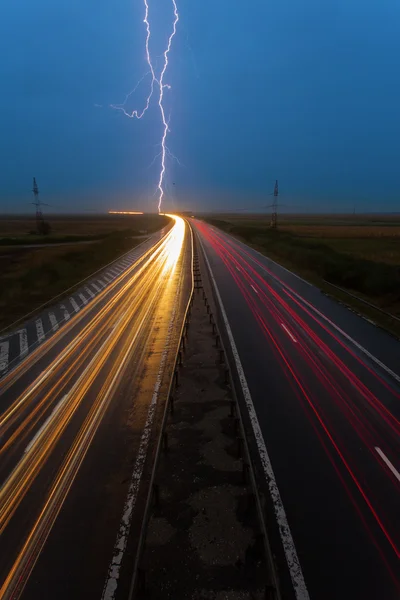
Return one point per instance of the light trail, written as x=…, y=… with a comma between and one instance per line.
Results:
x=52, y=403
x=161, y=87
x=316, y=376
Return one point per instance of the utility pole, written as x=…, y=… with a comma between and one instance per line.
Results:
x=38, y=204
x=274, y=216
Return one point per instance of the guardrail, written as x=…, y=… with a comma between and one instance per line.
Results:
x=138, y=576
x=384, y=312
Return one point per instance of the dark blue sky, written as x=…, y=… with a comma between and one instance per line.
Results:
x=304, y=92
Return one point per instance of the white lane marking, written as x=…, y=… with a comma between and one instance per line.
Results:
x=111, y=583
x=74, y=305
x=4, y=349
x=83, y=298
x=290, y=334
x=389, y=464
x=89, y=291
x=102, y=283
x=288, y=290
x=108, y=276
x=66, y=314
x=95, y=287
x=23, y=342
x=53, y=321
x=254, y=289
x=53, y=413
x=348, y=337
x=292, y=559
x=39, y=330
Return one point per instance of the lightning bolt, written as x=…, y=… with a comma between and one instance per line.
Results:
x=159, y=83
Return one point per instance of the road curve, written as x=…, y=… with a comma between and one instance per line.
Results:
x=322, y=387
x=77, y=422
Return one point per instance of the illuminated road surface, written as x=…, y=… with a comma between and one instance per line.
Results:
x=72, y=423
x=325, y=385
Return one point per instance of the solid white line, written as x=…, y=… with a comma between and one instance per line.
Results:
x=89, y=291
x=387, y=461
x=289, y=333
x=39, y=330
x=292, y=559
x=83, y=298
x=53, y=321
x=111, y=584
x=37, y=434
x=288, y=290
x=348, y=337
x=23, y=342
x=74, y=304
x=4, y=349
x=65, y=312
x=254, y=289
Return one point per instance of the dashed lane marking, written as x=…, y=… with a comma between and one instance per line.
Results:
x=83, y=298
x=65, y=312
x=53, y=321
x=4, y=349
x=388, y=463
x=39, y=330
x=74, y=304
x=23, y=342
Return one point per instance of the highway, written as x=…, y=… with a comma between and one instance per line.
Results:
x=322, y=390
x=77, y=428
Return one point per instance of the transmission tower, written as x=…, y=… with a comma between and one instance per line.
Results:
x=38, y=204
x=274, y=216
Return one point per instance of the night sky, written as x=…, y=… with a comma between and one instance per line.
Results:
x=304, y=92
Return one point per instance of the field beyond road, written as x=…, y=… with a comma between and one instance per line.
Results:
x=360, y=254
x=34, y=269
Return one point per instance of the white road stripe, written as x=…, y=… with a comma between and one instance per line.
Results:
x=89, y=291
x=23, y=342
x=74, y=304
x=4, y=349
x=288, y=290
x=102, y=283
x=389, y=464
x=39, y=330
x=83, y=298
x=108, y=276
x=292, y=559
x=111, y=584
x=96, y=287
x=254, y=289
x=66, y=314
x=53, y=321
x=49, y=418
x=289, y=333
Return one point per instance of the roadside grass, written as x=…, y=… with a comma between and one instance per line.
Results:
x=21, y=229
x=29, y=277
x=366, y=264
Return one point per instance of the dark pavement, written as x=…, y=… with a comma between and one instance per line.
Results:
x=324, y=384
x=78, y=422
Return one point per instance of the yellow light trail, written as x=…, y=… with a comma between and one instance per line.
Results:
x=115, y=329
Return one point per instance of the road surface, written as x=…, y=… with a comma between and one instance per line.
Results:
x=322, y=387
x=22, y=339
x=77, y=425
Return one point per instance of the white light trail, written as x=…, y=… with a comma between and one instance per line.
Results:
x=159, y=82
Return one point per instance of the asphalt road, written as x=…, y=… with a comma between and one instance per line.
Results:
x=322, y=388
x=77, y=425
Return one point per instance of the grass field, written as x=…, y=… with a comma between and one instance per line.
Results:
x=31, y=276
x=358, y=253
